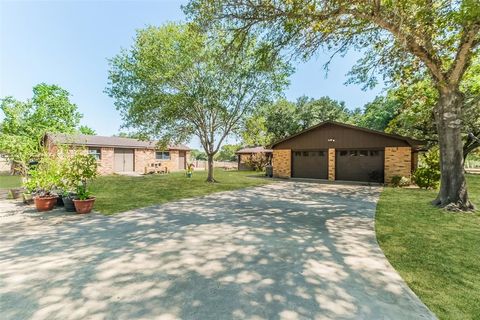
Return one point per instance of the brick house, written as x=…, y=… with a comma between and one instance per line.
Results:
x=337, y=151
x=117, y=155
x=243, y=155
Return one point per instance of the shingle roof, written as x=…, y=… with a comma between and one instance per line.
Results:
x=254, y=150
x=412, y=142
x=102, y=141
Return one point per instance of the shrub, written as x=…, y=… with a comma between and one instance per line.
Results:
x=45, y=177
x=257, y=161
x=428, y=176
x=399, y=181
x=79, y=169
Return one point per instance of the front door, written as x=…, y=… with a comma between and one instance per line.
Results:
x=123, y=160
x=181, y=160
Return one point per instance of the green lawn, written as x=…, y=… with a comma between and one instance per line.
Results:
x=7, y=181
x=436, y=252
x=121, y=193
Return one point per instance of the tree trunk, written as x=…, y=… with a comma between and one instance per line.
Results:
x=210, y=177
x=453, y=188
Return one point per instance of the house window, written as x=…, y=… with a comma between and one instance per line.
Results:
x=363, y=153
x=95, y=152
x=374, y=153
x=162, y=155
x=343, y=153
x=298, y=154
x=353, y=153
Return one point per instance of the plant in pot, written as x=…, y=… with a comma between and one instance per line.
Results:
x=45, y=178
x=82, y=169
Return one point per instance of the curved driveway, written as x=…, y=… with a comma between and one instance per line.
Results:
x=289, y=250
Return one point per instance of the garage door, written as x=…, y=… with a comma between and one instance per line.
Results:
x=123, y=160
x=310, y=164
x=359, y=165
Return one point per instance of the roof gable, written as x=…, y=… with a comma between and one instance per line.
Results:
x=382, y=137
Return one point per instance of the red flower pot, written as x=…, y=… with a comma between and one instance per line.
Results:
x=84, y=206
x=45, y=203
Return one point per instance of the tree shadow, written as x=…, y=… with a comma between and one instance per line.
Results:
x=288, y=250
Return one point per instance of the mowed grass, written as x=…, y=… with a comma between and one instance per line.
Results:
x=7, y=181
x=121, y=193
x=436, y=252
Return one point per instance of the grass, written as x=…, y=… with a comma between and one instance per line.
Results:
x=436, y=252
x=121, y=193
x=7, y=181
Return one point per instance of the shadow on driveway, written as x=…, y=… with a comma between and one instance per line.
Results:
x=290, y=250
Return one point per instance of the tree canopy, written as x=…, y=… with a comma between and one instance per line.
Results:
x=175, y=82
x=26, y=122
x=400, y=40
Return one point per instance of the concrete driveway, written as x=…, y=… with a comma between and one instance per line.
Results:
x=290, y=250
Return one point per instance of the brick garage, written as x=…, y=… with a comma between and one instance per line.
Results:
x=117, y=155
x=337, y=151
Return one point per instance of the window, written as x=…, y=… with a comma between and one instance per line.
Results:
x=374, y=153
x=353, y=153
x=343, y=153
x=298, y=154
x=95, y=152
x=363, y=153
x=305, y=153
x=162, y=155
x=321, y=153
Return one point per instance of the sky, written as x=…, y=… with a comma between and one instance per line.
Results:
x=68, y=43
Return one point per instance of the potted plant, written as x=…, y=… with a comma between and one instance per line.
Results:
x=84, y=202
x=44, y=178
x=82, y=168
x=68, y=197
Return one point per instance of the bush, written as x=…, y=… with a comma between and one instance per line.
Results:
x=428, y=176
x=45, y=177
x=399, y=181
x=257, y=161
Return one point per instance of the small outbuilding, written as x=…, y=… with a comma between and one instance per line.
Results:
x=245, y=155
x=338, y=151
x=123, y=155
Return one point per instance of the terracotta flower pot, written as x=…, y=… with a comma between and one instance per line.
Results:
x=45, y=203
x=84, y=206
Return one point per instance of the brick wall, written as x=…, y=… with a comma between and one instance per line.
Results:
x=143, y=158
x=398, y=162
x=282, y=163
x=331, y=164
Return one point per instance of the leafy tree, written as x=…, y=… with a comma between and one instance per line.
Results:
x=176, y=82
x=255, y=132
x=378, y=113
x=282, y=118
x=86, y=130
x=227, y=152
x=198, y=155
x=416, y=118
x=25, y=123
x=401, y=39
x=313, y=111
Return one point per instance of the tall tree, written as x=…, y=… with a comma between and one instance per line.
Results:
x=436, y=36
x=176, y=82
x=313, y=111
x=26, y=122
x=378, y=113
x=418, y=98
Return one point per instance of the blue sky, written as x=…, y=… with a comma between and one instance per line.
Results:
x=68, y=43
